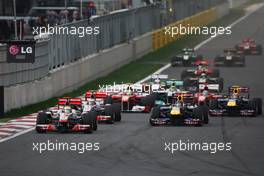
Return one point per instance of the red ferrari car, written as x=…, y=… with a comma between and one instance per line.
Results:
x=249, y=46
x=202, y=68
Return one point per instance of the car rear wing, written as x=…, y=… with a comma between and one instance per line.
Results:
x=177, y=83
x=88, y=94
x=75, y=101
x=184, y=97
x=248, y=40
x=69, y=101
x=187, y=50
x=202, y=62
x=214, y=87
x=63, y=101
x=100, y=94
x=238, y=89
x=159, y=76
x=232, y=50
x=96, y=94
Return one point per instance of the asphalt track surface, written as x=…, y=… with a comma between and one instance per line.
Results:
x=132, y=147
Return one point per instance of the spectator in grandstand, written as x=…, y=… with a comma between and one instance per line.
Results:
x=63, y=16
x=75, y=16
x=41, y=21
x=4, y=30
x=52, y=18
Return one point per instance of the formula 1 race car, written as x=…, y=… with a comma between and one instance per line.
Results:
x=249, y=46
x=186, y=58
x=132, y=98
x=194, y=84
x=182, y=111
x=236, y=103
x=202, y=67
x=135, y=102
x=66, y=119
x=205, y=96
x=106, y=109
x=230, y=58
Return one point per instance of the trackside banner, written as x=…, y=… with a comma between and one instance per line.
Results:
x=20, y=51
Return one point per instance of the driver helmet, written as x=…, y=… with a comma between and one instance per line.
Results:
x=200, y=66
x=67, y=110
x=172, y=88
x=234, y=95
x=178, y=104
x=205, y=91
x=91, y=102
x=157, y=81
x=203, y=75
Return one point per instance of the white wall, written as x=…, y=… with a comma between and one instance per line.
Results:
x=236, y=3
x=222, y=10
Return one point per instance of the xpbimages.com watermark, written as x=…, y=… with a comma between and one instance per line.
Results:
x=53, y=146
x=196, y=30
x=210, y=147
x=66, y=30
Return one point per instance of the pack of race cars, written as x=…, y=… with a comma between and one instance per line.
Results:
x=230, y=57
x=185, y=101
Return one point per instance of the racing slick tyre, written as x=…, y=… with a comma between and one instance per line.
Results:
x=205, y=110
x=259, y=105
x=215, y=73
x=186, y=63
x=117, y=111
x=155, y=112
x=41, y=120
x=184, y=74
x=201, y=112
x=217, y=60
x=173, y=60
x=88, y=119
x=94, y=115
x=252, y=105
x=149, y=100
x=190, y=85
x=199, y=57
x=213, y=104
x=108, y=100
x=220, y=81
x=109, y=112
x=243, y=61
x=237, y=48
x=259, y=49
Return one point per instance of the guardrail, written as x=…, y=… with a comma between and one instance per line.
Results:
x=115, y=29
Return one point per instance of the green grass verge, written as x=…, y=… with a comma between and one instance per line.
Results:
x=133, y=71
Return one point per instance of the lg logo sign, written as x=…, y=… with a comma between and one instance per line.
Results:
x=21, y=51
x=14, y=50
x=27, y=50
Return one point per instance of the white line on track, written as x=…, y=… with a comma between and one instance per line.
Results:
x=5, y=134
x=14, y=126
x=9, y=130
x=24, y=120
x=148, y=77
x=22, y=123
x=17, y=134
